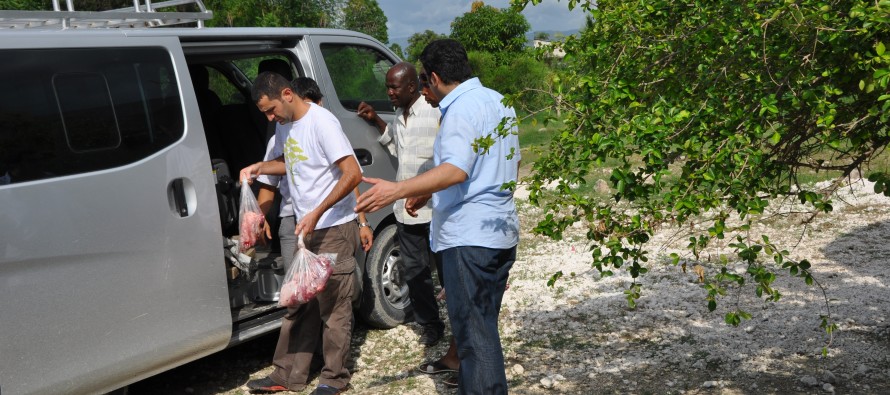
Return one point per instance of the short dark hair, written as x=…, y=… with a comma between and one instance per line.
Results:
x=276, y=65
x=307, y=88
x=448, y=59
x=269, y=84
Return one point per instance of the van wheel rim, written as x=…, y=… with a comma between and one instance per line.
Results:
x=394, y=286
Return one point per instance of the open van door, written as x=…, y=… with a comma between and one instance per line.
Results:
x=111, y=259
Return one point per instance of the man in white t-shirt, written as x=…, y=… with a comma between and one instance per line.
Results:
x=321, y=171
x=307, y=89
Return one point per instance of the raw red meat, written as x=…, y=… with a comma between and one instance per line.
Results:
x=251, y=229
x=306, y=281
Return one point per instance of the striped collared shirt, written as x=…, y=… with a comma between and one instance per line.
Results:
x=412, y=143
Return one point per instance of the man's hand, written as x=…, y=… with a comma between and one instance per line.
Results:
x=267, y=230
x=366, y=235
x=381, y=194
x=249, y=173
x=307, y=224
x=366, y=112
x=413, y=204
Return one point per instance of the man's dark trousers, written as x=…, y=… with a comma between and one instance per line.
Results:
x=477, y=278
x=414, y=243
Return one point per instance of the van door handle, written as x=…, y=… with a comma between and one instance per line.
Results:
x=364, y=157
x=176, y=194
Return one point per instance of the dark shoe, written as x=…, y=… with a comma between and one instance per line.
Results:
x=450, y=381
x=435, y=367
x=431, y=335
x=324, y=389
x=264, y=385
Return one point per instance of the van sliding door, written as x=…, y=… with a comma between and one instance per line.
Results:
x=111, y=264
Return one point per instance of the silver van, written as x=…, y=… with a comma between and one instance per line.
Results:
x=118, y=202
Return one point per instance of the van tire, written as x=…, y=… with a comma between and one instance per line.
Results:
x=385, y=301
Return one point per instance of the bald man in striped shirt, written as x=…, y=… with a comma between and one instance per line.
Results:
x=410, y=138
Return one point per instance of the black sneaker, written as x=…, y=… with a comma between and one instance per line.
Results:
x=431, y=335
x=324, y=389
x=264, y=385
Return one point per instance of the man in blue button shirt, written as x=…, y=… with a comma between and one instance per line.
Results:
x=474, y=227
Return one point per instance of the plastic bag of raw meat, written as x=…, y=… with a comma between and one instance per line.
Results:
x=307, y=276
x=250, y=219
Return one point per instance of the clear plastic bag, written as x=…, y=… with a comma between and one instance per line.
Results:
x=307, y=276
x=250, y=219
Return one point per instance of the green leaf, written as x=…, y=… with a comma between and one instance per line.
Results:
x=879, y=49
x=554, y=278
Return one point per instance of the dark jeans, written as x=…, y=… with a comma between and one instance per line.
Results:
x=414, y=243
x=477, y=278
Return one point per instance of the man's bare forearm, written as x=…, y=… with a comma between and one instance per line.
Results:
x=434, y=180
x=350, y=179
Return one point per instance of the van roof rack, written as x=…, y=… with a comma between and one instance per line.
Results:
x=143, y=13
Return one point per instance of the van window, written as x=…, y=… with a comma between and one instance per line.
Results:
x=84, y=102
x=70, y=111
x=228, y=93
x=358, y=74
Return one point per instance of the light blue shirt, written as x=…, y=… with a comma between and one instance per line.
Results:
x=475, y=212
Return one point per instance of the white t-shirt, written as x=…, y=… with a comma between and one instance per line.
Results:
x=285, y=209
x=312, y=146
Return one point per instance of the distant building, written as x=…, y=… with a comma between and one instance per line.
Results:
x=556, y=52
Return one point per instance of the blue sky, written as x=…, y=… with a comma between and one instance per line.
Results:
x=406, y=17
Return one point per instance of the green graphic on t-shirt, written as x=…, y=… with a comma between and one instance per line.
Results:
x=293, y=154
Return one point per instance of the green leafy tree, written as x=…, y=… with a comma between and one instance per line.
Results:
x=33, y=5
x=489, y=29
x=542, y=36
x=366, y=16
x=521, y=76
x=397, y=49
x=281, y=13
x=711, y=110
x=418, y=41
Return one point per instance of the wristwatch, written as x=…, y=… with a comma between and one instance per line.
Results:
x=363, y=224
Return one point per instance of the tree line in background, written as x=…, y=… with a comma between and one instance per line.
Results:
x=496, y=45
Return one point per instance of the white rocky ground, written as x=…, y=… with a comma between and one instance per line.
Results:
x=579, y=337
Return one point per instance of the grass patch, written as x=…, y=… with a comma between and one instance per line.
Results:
x=535, y=136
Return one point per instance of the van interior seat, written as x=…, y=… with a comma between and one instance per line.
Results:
x=210, y=107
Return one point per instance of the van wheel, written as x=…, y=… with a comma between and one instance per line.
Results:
x=385, y=301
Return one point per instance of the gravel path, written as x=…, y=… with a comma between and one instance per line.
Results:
x=579, y=337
